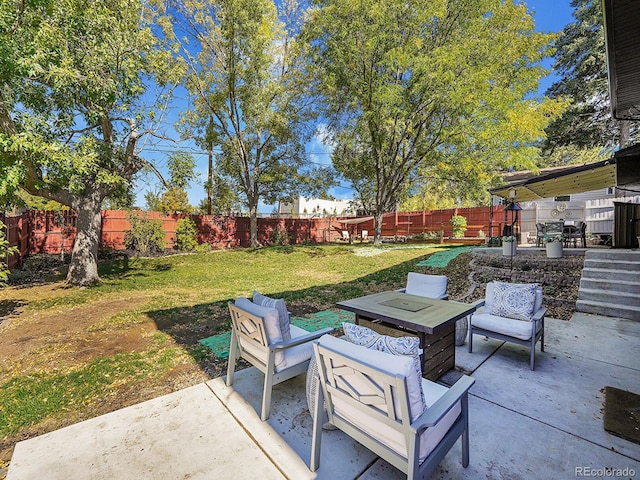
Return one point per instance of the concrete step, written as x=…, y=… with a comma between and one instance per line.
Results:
x=609, y=296
x=609, y=286
x=633, y=266
x=613, y=254
x=608, y=309
x=611, y=275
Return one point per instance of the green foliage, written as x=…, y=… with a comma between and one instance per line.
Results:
x=452, y=107
x=146, y=235
x=186, y=233
x=459, y=224
x=73, y=79
x=279, y=236
x=5, y=252
x=249, y=99
x=581, y=63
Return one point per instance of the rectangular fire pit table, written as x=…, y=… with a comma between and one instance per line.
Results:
x=401, y=314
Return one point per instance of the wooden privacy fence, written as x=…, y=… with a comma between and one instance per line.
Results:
x=51, y=232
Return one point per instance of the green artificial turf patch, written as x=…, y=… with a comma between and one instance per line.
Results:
x=442, y=259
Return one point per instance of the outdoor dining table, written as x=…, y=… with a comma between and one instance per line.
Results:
x=400, y=314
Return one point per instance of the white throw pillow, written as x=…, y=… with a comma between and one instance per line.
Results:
x=514, y=300
x=281, y=307
x=406, y=346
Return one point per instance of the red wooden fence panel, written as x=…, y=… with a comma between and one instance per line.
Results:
x=17, y=234
x=48, y=232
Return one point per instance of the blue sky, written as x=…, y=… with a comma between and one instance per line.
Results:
x=549, y=16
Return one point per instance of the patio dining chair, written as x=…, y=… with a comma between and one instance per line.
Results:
x=539, y=234
x=381, y=401
x=511, y=312
x=257, y=337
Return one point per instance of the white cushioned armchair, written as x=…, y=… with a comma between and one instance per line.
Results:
x=510, y=312
x=381, y=401
x=257, y=336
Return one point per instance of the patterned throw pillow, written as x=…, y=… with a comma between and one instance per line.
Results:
x=283, y=313
x=514, y=300
x=408, y=346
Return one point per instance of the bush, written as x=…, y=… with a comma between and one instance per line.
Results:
x=5, y=252
x=186, y=233
x=459, y=224
x=279, y=236
x=146, y=235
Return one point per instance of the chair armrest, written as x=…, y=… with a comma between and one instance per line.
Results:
x=301, y=339
x=539, y=314
x=446, y=402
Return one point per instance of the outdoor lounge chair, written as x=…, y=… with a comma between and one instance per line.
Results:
x=431, y=286
x=257, y=337
x=377, y=399
x=510, y=312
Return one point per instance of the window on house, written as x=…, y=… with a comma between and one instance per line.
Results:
x=563, y=198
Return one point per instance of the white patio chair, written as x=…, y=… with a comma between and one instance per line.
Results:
x=377, y=399
x=256, y=336
x=432, y=286
x=525, y=304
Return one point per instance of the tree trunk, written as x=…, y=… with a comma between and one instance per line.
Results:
x=253, y=216
x=377, y=227
x=83, y=270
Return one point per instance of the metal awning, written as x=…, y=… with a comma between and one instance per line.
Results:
x=355, y=221
x=578, y=179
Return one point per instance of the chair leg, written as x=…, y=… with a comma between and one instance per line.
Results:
x=542, y=336
x=233, y=354
x=465, y=433
x=268, y=386
x=470, y=337
x=316, y=435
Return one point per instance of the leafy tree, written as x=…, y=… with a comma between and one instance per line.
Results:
x=248, y=98
x=174, y=197
x=5, y=252
x=582, y=65
x=438, y=90
x=223, y=198
x=73, y=74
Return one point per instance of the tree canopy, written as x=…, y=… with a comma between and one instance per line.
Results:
x=248, y=97
x=428, y=91
x=73, y=75
x=582, y=66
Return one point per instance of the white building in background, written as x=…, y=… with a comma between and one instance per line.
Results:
x=316, y=208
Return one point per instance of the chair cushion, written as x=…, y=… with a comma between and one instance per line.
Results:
x=432, y=286
x=432, y=436
x=408, y=346
x=298, y=354
x=506, y=326
x=514, y=300
x=270, y=318
x=281, y=307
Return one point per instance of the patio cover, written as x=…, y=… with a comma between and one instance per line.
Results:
x=355, y=221
x=622, y=171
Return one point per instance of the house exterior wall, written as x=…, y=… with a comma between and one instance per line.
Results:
x=314, y=207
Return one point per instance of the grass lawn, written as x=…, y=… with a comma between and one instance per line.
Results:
x=68, y=354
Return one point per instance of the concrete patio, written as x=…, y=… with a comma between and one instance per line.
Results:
x=525, y=424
